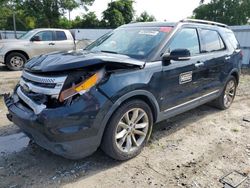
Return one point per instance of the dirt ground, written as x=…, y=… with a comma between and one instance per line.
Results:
x=194, y=149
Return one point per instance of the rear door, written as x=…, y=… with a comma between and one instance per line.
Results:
x=63, y=42
x=215, y=57
x=183, y=80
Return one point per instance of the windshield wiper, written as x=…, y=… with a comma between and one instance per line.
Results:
x=106, y=51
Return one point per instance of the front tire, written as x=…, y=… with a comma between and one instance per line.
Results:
x=15, y=61
x=225, y=100
x=128, y=130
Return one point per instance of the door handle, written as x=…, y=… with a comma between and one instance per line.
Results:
x=199, y=64
x=51, y=44
x=227, y=58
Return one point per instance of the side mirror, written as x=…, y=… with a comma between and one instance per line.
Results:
x=176, y=55
x=35, y=38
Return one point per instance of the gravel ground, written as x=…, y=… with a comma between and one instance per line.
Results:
x=194, y=149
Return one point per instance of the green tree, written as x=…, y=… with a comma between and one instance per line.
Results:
x=64, y=23
x=231, y=12
x=145, y=17
x=7, y=9
x=90, y=20
x=48, y=13
x=38, y=13
x=118, y=13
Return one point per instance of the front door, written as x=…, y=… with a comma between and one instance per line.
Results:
x=183, y=80
x=46, y=43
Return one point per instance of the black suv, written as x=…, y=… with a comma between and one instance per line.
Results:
x=111, y=93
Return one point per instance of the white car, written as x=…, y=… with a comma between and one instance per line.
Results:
x=15, y=52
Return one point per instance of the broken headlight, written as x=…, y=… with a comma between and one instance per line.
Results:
x=82, y=87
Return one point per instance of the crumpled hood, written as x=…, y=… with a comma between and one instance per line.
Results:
x=61, y=61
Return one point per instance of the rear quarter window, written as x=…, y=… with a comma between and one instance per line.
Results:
x=212, y=41
x=60, y=35
x=232, y=39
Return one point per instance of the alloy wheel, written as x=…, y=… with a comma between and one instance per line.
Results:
x=132, y=130
x=229, y=93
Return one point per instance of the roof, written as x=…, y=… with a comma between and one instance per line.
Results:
x=206, y=22
x=173, y=24
x=50, y=29
x=151, y=24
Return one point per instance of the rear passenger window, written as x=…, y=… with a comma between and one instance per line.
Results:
x=187, y=38
x=60, y=35
x=212, y=40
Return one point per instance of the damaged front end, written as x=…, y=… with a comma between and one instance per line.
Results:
x=41, y=92
x=63, y=111
x=60, y=113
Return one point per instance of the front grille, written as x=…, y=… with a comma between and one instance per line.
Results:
x=39, y=92
x=46, y=85
x=38, y=84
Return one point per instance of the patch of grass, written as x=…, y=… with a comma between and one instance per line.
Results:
x=151, y=146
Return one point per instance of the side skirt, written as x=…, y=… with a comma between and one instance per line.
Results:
x=168, y=113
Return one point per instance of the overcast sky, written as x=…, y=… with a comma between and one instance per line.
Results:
x=170, y=10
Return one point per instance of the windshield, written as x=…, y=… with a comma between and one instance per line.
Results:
x=134, y=42
x=27, y=35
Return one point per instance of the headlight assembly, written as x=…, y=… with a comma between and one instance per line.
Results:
x=82, y=87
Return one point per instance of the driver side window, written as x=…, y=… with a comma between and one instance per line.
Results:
x=187, y=38
x=45, y=36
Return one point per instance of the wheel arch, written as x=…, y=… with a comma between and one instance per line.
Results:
x=143, y=95
x=16, y=51
x=236, y=75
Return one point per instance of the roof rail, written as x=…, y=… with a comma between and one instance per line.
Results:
x=205, y=22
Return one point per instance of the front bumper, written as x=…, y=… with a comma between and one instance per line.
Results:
x=72, y=131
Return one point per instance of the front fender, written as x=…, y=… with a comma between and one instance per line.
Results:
x=10, y=49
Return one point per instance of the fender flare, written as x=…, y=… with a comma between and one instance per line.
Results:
x=125, y=97
x=235, y=71
x=18, y=51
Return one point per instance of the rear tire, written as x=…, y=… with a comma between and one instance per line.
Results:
x=15, y=61
x=128, y=130
x=225, y=100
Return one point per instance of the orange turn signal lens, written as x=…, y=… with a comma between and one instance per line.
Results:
x=90, y=82
x=81, y=87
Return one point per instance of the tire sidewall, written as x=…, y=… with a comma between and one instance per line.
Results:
x=231, y=78
x=11, y=55
x=110, y=131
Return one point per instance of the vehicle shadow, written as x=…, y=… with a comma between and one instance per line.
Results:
x=3, y=68
x=36, y=166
